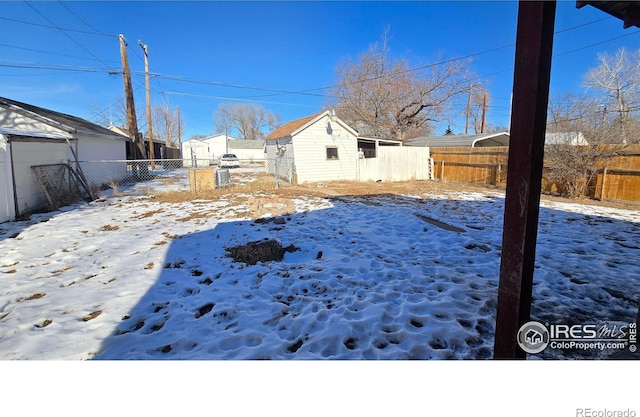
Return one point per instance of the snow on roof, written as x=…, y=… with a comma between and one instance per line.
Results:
x=36, y=134
x=70, y=122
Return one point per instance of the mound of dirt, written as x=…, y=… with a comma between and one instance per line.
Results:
x=261, y=251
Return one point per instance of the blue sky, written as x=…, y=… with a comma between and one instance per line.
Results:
x=211, y=52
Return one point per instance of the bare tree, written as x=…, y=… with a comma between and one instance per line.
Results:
x=478, y=104
x=166, y=125
x=571, y=162
x=115, y=114
x=618, y=78
x=383, y=97
x=250, y=120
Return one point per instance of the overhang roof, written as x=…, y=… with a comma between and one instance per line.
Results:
x=627, y=11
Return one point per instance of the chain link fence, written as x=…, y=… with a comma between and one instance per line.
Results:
x=109, y=174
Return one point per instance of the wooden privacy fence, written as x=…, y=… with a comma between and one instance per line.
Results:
x=395, y=163
x=618, y=179
x=475, y=165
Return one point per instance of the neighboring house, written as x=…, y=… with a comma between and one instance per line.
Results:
x=206, y=150
x=320, y=147
x=565, y=138
x=159, y=145
x=466, y=141
x=31, y=137
x=247, y=150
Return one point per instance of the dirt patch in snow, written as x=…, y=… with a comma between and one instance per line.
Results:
x=262, y=251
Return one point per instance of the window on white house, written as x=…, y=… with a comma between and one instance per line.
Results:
x=332, y=152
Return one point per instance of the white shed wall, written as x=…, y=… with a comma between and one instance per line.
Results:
x=92, y=148
x=248, y=154
x=29, y=194
x=310, y=150
x=7, y=209
x=216, y=146
x=195, y=149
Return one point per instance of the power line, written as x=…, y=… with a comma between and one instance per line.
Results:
x=67, y=35
x=179, y=93
x=308, y=92
x=63, y=68
x=598, y=43
x=47, y=52
x=55, y=27
x=96, y=31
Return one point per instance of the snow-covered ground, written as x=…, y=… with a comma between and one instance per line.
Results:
x=368, y=277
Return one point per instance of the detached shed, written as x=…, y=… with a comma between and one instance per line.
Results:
x=463, y=141
x=36, y=142
x=320, y=147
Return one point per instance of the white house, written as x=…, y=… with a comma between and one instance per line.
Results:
x=247, y=150
x=32, y=137
x=206, y=150
x=320, y=147
x=565, y=138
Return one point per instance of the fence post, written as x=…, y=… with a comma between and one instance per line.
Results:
x=442, y=170
x=604, y=176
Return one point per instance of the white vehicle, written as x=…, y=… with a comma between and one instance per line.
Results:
x=228, y=160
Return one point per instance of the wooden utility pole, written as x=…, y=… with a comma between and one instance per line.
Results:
x=148, y=94
x=179, y=131
x=132, y=121
x=466, y=124
x=484, y=111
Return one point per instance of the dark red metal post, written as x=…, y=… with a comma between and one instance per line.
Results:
x=534, y=44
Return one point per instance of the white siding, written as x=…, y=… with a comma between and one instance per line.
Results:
x=195, y=149
x=100, y=149
x=7, y=210
x=396, y=163
x=246, y=155
x=216, y=146
x=310, y=150
x=29, y=195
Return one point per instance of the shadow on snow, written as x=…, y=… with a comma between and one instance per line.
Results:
x=415, y=279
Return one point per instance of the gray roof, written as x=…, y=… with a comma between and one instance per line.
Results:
x=246, y=144
x=73, y=122
x=481, y=140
